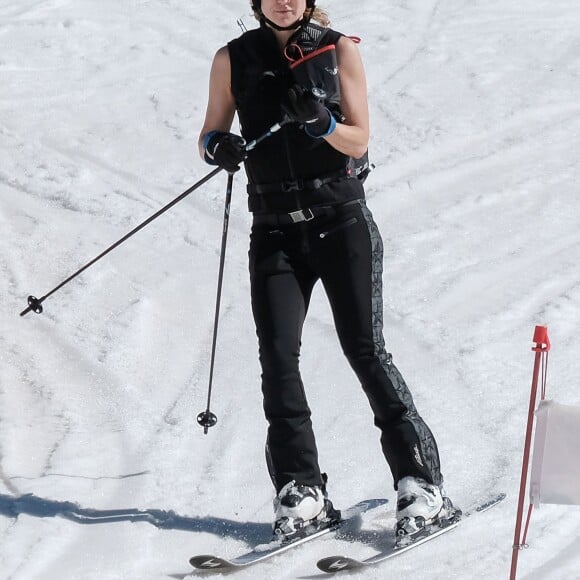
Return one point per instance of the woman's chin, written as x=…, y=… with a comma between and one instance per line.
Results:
x=284, y=19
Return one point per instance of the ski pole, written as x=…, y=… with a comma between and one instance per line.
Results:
x=35, y=304
x=276, y=127
x=206, y=418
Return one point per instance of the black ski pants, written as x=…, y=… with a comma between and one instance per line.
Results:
x=343, y=250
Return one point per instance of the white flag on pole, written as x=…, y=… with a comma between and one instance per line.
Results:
x=555, y=476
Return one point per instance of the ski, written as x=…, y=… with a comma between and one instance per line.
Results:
x=334, y=564
x=265, y=551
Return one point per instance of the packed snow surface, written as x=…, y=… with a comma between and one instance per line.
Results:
x=104, y=471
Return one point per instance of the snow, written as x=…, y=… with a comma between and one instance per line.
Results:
x=104, y=472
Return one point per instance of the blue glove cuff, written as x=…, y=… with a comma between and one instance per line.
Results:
x=207, y=156
x=329, y=131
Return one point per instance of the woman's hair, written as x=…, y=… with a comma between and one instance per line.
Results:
x=321, y=16
x=318, y=14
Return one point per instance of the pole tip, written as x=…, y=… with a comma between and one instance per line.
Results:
x=206, y=419
x=34, y=304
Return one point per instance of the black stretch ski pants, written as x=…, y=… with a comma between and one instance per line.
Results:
x=344, y=251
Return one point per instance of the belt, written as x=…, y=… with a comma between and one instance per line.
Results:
x=300, y=215
x=299, y=184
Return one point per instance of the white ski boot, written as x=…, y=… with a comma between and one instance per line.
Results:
x=302, y=508
x=421, y=505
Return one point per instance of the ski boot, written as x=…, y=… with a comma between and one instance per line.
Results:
x=421, y=506
x=301, y=510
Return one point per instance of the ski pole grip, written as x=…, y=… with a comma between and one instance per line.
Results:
x=35, y=304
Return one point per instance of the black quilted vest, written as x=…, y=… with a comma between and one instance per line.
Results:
x=260, y=78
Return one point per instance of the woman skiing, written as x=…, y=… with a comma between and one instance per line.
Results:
x=310, y=223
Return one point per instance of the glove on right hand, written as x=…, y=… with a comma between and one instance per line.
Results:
x=304, y=108
x=225, y=149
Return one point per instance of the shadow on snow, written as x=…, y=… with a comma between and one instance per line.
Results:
x=31, y=505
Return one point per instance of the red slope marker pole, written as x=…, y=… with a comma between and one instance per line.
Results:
x=541, y=348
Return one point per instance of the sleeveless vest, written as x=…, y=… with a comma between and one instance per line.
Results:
x=289, y=170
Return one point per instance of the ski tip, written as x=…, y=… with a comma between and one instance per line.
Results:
x=208, y=562
x=363, y=506
x=491, y=502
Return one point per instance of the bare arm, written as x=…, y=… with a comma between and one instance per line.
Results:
x=220, y=106
x=352, y=136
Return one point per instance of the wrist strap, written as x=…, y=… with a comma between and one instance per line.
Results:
x=329, y=131
x=207, y=155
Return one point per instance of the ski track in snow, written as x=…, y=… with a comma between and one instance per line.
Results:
x=104, y=472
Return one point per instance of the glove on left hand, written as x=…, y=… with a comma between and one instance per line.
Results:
x=303, y=108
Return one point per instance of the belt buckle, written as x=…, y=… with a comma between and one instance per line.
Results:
x=287, y=186
x=301, y=215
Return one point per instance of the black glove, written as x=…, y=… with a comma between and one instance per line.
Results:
x=302, y=107
x=224, y=149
